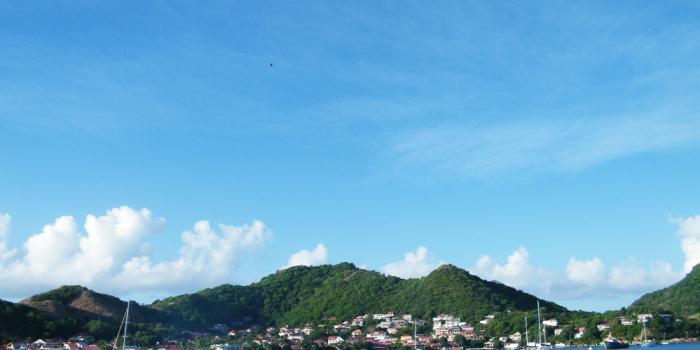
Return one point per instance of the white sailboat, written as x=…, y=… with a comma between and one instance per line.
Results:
x=541, y=345
x=125, y=326
x=527, y=337
x=646, y=342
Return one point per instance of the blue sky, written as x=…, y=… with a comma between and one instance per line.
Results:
x=549, y=145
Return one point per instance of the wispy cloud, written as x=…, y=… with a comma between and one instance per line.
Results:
x=540, y=146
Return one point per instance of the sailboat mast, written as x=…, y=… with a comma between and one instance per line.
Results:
x=527, y=340
x=539, y=324
x=544, y=329
x=126, y=324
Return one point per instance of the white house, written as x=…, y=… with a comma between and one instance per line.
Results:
x=383, y=316
x=341, y=328
x=515, y=337
x=284, y=331
x=296, y=337
x=551, y=323
x=52, y=346
x=307, y=329
x=335, y=340
x=386, y=324
x=448, y=321
x=643, y=318
x=220, y=346
x=626, y=321
x=377, y=335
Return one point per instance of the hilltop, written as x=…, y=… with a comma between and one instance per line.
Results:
x=682, y=298
x=83, y=304
x=300, y=294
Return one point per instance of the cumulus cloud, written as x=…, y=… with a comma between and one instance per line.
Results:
x=516, y=271
x=689, y=230
x=317, y=256
x=206, y=257
x=630, y=277
x=581, y=279
x=414, y=264
x=585, y=272
x=113, y=254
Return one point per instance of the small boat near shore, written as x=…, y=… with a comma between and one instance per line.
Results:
x=512, y=346
x=646, y=342
x=612, y=343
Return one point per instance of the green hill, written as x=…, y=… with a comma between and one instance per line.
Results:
x=69, y=310
x=19, y=321
x=83, y=304
x=300, y=294
x=682, y=298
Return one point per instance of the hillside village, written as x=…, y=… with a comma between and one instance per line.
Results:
x=310, y=308
x=379, y=331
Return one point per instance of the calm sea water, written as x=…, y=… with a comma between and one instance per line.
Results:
x=685, y=346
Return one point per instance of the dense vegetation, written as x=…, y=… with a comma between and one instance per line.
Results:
x=19, y=321
x=69, y=310
x=83, y=304
x=301, y=294
x=682, y=298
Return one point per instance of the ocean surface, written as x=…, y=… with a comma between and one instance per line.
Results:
x=684, y=346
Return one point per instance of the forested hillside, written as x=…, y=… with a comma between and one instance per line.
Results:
x=301, y=294
x=682, y=298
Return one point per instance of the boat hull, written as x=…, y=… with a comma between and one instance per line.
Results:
x=611, y=345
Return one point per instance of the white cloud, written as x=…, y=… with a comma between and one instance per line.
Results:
x=317, y=256
x=581, y=279
x=586, y=272
x=630, y=277
x=538, y=145
x=516, y=272
x=113, y=255
x=414, y=264
x=206, y=257
x=689, y=230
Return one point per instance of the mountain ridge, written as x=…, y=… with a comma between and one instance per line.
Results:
x=81, y=303
x=299, y=294
x=302, y=294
